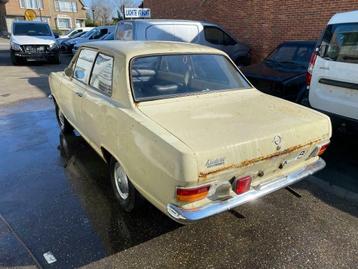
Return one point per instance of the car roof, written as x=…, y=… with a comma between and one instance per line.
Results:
x=299, y=42
x=131, y=49
x=29, y=22
x=344, y=17
x=173, y=21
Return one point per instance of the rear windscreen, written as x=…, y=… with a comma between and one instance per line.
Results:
x=340, y=43
x=32, y=29
x=167, y=76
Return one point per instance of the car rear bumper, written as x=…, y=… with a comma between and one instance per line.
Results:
x=189, y=215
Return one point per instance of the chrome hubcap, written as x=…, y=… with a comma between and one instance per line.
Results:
x=121, y=181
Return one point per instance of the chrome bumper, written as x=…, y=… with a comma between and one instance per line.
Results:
x=188, y=215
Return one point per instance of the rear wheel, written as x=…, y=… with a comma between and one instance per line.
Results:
x=64, y=125
x=125, y=193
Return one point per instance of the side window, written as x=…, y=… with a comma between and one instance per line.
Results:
x=84, y=64
x=217, y=36
x=124, y=31
x=101, y=78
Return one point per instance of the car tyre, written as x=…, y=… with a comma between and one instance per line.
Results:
x=14, y=59
x=63, y=123
x=124, y=191
x=55, y=59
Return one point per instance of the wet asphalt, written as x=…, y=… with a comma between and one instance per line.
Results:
x=55, y=197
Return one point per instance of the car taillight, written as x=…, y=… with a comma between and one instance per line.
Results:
x=192, y=194
x=322, y=149
x=242, y=185
x=310, y=68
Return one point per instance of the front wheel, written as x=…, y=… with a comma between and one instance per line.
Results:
x=125, y=193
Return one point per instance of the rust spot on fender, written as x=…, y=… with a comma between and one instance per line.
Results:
x=203, y=175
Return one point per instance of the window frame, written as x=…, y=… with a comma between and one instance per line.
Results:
x=38, y=1
x=177, y=54
x=75, y=63
x=90, y=77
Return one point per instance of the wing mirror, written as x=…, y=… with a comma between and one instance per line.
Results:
x=69, y=72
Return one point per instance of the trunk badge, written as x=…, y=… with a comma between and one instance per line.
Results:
x=216, y=162
x=277, y=141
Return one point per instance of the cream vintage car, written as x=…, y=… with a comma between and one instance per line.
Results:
x=181, y=126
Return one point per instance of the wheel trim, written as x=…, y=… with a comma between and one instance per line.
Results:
x=121, y=182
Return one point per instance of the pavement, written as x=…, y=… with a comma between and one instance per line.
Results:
x=56, y=201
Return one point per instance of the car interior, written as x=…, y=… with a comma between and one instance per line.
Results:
x=158, y=77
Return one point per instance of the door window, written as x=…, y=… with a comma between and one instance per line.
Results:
x=84, y=65
x=101, y=78
x=217, y=36
x=340, y=43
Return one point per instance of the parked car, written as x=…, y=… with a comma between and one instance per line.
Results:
x=204, y=33
x=283, y=72
x=72, y=32
x=60, y=41
x=33, y=41
x=180, y=124
x=108, y=36
x=333, y=71
x=94, y=34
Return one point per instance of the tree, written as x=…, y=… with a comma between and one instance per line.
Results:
x=102, y=12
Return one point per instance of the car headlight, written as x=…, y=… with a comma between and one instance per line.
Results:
x=53, y=46
x=15, y=46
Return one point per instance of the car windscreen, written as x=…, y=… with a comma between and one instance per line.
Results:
x=32, y=29
x=168, y=76
x=294, y=54
x=340, y=43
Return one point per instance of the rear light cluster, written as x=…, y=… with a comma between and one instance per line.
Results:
x=310, y=68
x=322, y=149
x=193, y=194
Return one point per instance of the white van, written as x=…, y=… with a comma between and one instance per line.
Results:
x=333, y=70
x=198, y=32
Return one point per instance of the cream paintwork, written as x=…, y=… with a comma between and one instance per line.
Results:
x=166, y=143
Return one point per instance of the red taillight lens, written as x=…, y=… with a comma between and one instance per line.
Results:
x=192, y=194
x=323, y=149
x=310, y=68
x=242, y=184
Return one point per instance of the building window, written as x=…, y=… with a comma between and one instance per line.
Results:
x=31, y=4
x=65, y=5
x=64, y=23
x=80, y=23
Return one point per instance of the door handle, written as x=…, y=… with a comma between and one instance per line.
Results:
x=79, y=94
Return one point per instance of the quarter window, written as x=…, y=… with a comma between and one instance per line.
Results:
x=217, y=36
x=101, y=78
x=84, y=65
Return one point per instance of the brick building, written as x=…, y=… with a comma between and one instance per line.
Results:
x=60, y=14
x=262, y=24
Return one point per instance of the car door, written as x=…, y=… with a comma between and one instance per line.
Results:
x=217, y=38
x=97, y=98
x=76, y=85
x=334, y=84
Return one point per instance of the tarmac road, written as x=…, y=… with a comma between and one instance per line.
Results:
x=55, y=197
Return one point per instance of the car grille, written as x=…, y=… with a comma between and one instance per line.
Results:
x=34, y=48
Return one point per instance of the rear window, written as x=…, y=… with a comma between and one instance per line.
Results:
x=167, y=76
x=292, y=53
x=32, y=29
x=340, y=43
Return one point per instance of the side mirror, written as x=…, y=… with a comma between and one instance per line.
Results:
x=68, y=72
x=56, y=35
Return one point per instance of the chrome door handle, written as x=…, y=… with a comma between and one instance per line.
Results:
x=79, y=94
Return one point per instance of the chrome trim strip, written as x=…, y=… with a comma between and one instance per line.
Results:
x=188, y=215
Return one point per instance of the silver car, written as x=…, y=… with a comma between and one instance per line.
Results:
x=203, y=33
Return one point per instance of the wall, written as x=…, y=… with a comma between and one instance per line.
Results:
x=262, y=24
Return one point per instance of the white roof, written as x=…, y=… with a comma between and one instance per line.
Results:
x=345, y=17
